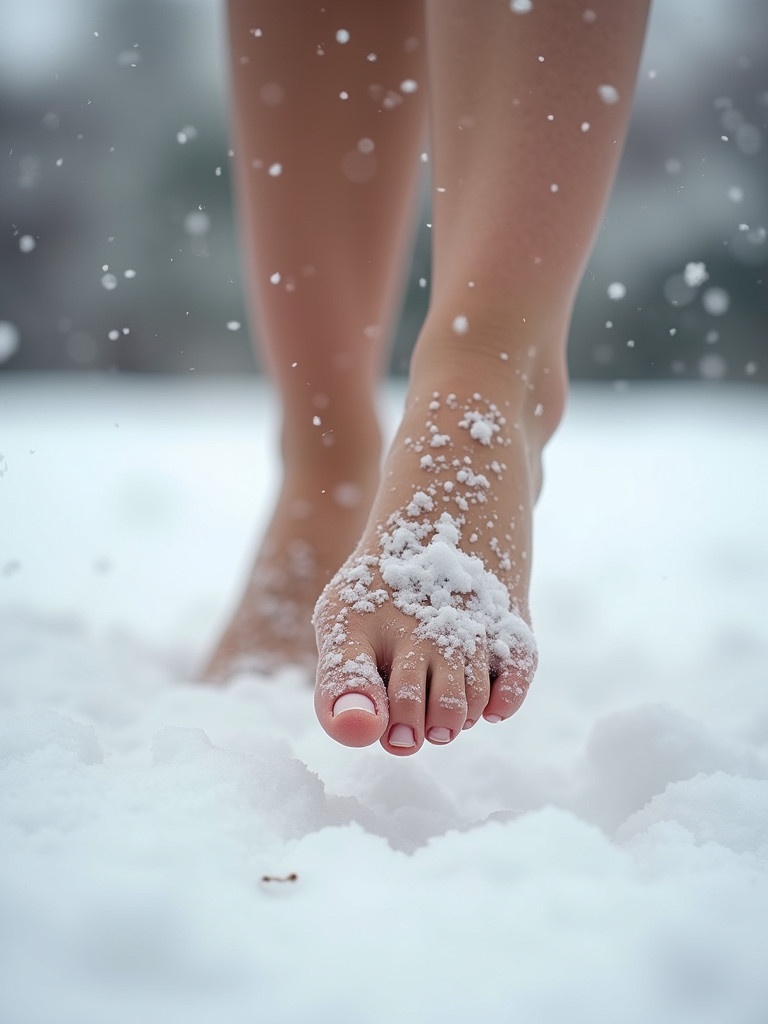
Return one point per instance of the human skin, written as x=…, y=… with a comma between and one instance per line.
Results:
x=524, y=144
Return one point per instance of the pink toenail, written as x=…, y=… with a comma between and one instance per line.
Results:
x=402, y=736
x=493, y=718
x=439, y=734
x=468, y=724
x=353, y=702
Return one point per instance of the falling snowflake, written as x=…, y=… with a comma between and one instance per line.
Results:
x=716, y=301
x=608, y=94
x=695, y=274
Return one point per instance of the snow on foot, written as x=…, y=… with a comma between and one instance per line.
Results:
x=271, y=627
x=311, y=532
x=425, y=624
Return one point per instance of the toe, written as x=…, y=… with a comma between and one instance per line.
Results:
x=406, y=690
x=447, y=706
x=507, y=694
x=350, y=698
x=477, y=688
x=508, y=691
x=510, y=685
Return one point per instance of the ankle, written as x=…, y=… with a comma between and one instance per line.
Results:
x=518, y=366
x=332, y=444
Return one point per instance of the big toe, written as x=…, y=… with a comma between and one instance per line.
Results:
x=350, y=699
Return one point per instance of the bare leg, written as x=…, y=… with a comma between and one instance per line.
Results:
x=429, y=620
x=326, y=157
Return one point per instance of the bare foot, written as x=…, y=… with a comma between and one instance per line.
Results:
x=425, y=629
x=313, y=528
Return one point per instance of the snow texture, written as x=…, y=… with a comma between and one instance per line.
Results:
x=454, y=599
x=695, y=274
x=180, y=853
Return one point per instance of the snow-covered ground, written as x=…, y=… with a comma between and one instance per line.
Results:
x=601, y=858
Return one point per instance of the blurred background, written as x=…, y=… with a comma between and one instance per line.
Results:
x=117, y=238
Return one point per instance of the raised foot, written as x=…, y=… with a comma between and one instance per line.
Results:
x=424, y=630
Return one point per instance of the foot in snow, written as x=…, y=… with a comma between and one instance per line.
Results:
x=425, y=630
x=314, y=526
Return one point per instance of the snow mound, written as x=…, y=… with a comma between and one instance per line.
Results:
x=185, y=853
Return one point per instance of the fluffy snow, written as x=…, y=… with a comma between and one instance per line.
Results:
x=695, y=274
x=179, y=853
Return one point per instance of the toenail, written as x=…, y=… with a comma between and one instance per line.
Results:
x=468, y=724
x=439, y=734
x=402, y=736
x=353, y=702
x=493, y=718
